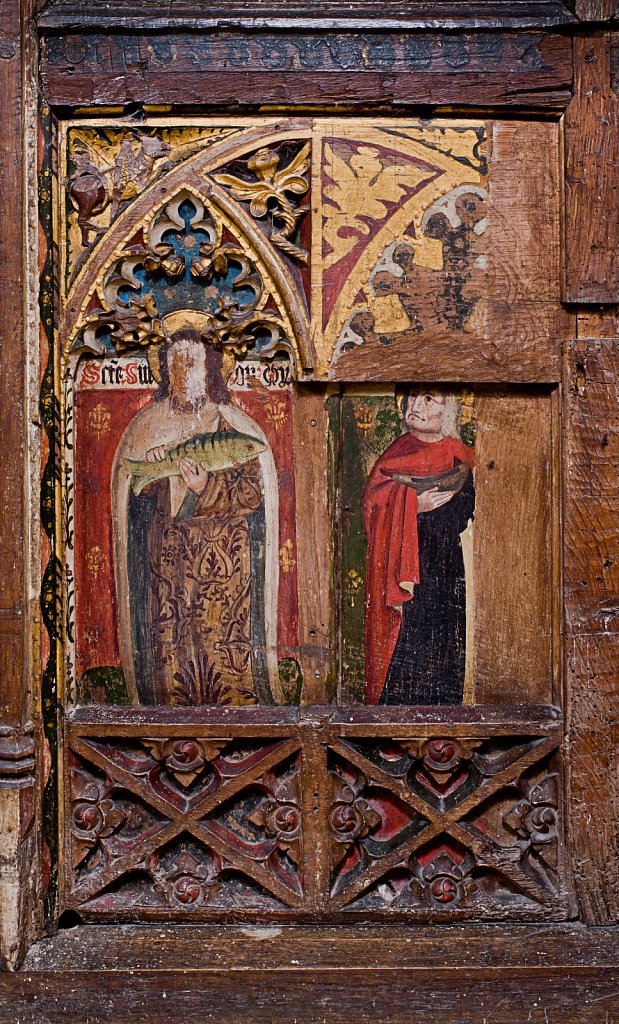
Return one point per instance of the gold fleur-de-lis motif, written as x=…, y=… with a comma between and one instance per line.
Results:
x=365, y=418
x=99, y=420
x=354, y=583
x=287, y=561
x=95, y=560
x=276, y=409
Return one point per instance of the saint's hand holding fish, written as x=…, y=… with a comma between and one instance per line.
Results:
x=214, y=451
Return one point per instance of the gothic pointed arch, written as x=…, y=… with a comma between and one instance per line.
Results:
x=201, y=236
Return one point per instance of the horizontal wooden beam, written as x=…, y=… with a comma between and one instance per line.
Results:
x=313, y=67
x=338, y=14
x=500, y=974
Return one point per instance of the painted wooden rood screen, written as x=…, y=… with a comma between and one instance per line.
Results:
x=293, y=504
x=308, y=635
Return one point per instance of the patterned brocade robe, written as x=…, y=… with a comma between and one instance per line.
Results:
x=197, y=576
x=200, y=602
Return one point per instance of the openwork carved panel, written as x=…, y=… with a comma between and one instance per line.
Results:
x=185, y=824
x=446, y=824
x=302, y=814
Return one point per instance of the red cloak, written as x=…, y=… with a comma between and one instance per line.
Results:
x=390, y=519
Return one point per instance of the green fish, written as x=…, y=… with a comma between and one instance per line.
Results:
x=219, y=450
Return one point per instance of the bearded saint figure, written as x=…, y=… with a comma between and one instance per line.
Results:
x=415, y=608
x=196, y=553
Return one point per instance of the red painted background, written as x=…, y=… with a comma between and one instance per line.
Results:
x=96, y=601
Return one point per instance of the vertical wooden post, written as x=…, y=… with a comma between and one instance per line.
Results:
x=594, y=10
x=592, y=621
x=592, y=176
x=17, y=789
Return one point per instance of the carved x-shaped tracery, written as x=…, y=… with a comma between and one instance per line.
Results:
x=144, y=811
x=313, y=817
x=443, y=809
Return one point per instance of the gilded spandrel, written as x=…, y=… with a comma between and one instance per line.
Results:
x=208, y=269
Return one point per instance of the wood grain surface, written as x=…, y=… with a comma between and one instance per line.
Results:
x=592, y=176
x=316, y=66
x=19, y=913
x=591, y=546
x=433, y=14
x=595, y=10
x=12, y=455
x=315, y=549
x=514, y=547
x=500, y=975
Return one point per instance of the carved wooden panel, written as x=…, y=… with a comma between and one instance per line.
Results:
x=290, y=472
x=216, y=814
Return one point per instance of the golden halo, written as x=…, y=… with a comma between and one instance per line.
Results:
x=194, y=319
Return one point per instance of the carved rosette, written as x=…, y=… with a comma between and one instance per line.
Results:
x=94, y=815
x=534, y=819
x=270, y=191
x=444, y=882
x=351, y=816
x=187, y=880
x=472, y=850
x=185, y=759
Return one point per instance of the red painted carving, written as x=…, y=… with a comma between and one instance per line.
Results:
x=469, y=844
x=192, y=826
x=183, y=822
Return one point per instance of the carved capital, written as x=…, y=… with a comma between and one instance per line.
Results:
x=16, y=756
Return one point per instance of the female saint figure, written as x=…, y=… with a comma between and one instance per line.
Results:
x=417, y=502
x=196, y=548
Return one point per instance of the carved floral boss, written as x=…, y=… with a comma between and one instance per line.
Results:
x=184, y=814
x=450, y=825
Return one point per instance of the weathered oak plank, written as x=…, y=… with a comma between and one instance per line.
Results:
x=432, y=14
x=18, y=837
x=592, y=502
x=213, y=947
x=549, y=975
x=594, y=10
x=316, y=67
x=513, y=580
x=591, y=567
x=592, y=176
x=12, y=453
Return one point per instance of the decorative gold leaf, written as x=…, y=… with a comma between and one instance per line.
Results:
x=294, y=171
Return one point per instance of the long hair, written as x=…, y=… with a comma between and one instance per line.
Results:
x=215, y=385
x=450, y=424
